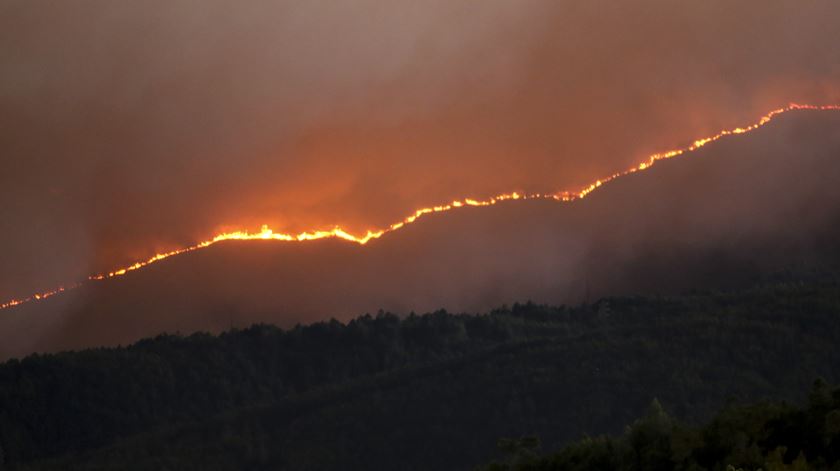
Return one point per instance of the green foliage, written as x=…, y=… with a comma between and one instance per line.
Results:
x=435, y=391
x=738, y=439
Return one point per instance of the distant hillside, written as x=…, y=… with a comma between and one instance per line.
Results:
x=715, y=218
x=424, y=392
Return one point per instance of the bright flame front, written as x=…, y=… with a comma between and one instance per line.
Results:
x=267, y=233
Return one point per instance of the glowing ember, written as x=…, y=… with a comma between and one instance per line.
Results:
x=266, y=233
x=39, y=296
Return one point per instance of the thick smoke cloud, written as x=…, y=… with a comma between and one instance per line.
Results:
x=132, y=127
x=735, y=211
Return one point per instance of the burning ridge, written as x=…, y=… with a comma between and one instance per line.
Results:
x=267, y=233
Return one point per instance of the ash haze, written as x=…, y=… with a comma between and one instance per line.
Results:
x=716, y=218
x=128, y=128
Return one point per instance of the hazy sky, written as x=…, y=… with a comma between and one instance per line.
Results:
x=132, y=127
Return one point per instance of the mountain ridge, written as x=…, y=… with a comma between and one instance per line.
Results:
x=717, y=216
x=339, y=233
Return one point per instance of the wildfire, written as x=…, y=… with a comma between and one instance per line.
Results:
x=267, y=233
x=39, y=296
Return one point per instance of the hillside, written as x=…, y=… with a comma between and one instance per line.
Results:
x=717, y=217
x=765, y=435
x=431, y=391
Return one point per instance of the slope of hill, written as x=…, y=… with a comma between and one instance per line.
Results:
x=714, y=217
x=767, y=435
x=425, y=392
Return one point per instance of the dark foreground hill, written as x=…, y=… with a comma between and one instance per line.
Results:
x=768, y=436
x=423, y=392
x=714, y=218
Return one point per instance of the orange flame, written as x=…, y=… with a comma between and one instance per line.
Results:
x=266, y=233
x=39, y=296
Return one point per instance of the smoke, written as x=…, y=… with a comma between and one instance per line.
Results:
x=737, y=209
x=129, y=128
